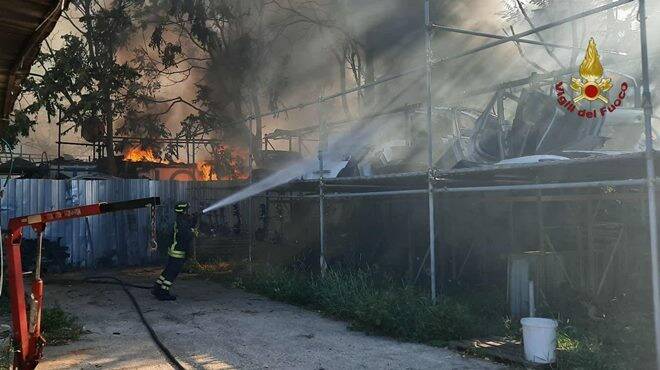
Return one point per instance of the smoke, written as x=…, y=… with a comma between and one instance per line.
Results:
x=341, y=146
x=390, y=34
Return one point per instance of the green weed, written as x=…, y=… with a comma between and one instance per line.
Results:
x=376, y=304
x=60, y=327
x=381, y=305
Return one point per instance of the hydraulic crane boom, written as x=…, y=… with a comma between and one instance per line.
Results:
x=28, y=342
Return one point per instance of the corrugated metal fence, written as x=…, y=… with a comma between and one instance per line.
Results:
x=121, y=236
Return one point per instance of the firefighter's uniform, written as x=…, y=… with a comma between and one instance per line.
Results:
x=183, y=236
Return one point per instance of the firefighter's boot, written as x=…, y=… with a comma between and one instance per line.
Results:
x=162, y=294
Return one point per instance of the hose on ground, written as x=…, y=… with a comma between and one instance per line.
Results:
x=116, y=281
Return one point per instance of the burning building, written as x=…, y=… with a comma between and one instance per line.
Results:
x=227, y=164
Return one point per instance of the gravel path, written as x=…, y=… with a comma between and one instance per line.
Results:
x=212, y=327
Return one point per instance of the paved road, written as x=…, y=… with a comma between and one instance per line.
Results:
x=212, y=327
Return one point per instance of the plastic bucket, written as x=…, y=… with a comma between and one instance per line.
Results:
x=539, y=339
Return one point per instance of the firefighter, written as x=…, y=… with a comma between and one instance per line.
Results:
x=184, y=231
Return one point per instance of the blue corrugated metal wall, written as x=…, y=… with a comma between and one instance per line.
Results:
x=123, y=234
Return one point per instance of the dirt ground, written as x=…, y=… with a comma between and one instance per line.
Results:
x=213, y=327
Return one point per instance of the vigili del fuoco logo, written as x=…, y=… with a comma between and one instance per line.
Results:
x=590, y=87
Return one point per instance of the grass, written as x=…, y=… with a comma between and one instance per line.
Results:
x=381, y=305
x=378, y=304
x=4, y=305
x=5, y=351
x=208, y=268
x=622, y=340
x=4, y=298
x=60, y=327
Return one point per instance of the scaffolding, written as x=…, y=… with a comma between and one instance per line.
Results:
x=426, y=71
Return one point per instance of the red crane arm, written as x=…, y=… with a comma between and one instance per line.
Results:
x=27, y=330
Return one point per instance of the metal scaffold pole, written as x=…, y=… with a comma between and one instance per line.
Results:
x=250, y=223
x=429, y=127
x=322, y=148
x=650, y=176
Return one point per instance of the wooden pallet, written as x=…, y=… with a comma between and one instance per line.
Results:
x=500, y=349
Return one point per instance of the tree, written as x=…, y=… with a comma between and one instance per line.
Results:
x=86, y=85
x=611, y=27
x=228, y=41
x=243, y=49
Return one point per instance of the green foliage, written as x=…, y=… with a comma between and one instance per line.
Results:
x=4, y=301
x=5, y=353
x=87, y=81
x=233, y=43
x=378, y=305
x=618, y=342
x=60, y=327
x=19, y=125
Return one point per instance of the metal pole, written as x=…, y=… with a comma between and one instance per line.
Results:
x=483, y=189
x=376, y=193
x=187, y=150
x=560, y=185
x=250, y=231
x=429, y=127
x=534, y=30
x=523, y=41
x=650, y=176
x=419, y=69
x=37, y=261
x=59, y=143
x=193, y=150
x=322, y=147
x=500, y=123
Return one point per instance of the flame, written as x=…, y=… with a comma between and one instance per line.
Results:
x=205, y=171
x=137, y=154
x=591, y=69
x=227, y=163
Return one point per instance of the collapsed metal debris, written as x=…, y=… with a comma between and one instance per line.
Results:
x=520, y=143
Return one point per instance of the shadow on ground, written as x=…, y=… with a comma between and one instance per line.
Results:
x=212, y=327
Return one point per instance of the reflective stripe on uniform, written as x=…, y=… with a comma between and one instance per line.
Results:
x=172, y=252
x=176, y=254
x=176, y=231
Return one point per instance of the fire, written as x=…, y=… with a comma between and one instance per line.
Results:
x=227, y=163
x=206, y=172
x=137, y=154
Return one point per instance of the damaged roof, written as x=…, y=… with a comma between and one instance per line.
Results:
x=597, y=168
x=24, y=24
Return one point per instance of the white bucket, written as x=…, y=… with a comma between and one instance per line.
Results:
x=539, y=339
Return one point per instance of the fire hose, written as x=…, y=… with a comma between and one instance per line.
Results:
x=111, y=280
x=27, y=336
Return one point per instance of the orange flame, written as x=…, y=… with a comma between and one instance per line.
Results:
x=137, y=154
x=229, y=161
x=205, y=171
